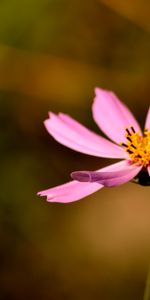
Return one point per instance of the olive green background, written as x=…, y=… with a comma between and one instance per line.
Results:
x=52, y=55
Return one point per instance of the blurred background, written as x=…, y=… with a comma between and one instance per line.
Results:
x=52, y=55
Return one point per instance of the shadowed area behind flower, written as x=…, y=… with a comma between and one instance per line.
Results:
x=52, y=55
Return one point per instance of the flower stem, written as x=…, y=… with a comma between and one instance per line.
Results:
x=147, y=287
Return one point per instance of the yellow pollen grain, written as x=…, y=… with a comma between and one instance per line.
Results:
x=138, y=146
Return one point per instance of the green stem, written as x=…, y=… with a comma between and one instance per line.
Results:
x=147, y=287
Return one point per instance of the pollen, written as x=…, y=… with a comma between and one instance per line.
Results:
x=138, y=146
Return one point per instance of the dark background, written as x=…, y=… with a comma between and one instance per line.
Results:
x=52, y=55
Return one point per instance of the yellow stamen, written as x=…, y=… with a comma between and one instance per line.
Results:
x=138, y=146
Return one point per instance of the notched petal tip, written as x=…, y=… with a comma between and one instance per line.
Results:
x=50, y=114
x=99, y=90
x=96, y=90
x=40, y=194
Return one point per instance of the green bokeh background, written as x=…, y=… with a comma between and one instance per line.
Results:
x=52, y=55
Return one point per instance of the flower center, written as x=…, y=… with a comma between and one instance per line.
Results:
x=138, y=146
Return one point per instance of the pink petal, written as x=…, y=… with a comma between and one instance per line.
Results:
x=147, y=123
x=112, y=116
x=70, y=191
x=72, y=134
x=148, y=169
x=113, y=175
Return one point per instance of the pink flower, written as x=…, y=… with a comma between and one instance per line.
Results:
x=118, y=123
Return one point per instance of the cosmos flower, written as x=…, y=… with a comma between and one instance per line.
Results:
x=129, y=144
